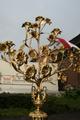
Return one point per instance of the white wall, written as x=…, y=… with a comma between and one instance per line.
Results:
x=13, y=83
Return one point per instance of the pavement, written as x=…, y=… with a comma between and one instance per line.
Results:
x=64, y=116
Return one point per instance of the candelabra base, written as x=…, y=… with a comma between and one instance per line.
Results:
x=38, y=115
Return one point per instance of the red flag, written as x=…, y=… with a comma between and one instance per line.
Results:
x=66, y=43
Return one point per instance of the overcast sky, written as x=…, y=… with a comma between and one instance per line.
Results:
x=65, y=14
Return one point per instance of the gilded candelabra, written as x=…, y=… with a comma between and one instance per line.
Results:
x=36, y=64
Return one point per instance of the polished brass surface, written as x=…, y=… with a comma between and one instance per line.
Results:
x=23, y=61
x=39, y=97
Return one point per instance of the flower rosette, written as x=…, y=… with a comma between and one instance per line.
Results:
x=46, y=70
x=52, y=58
x=20, y=58
x=33, y=55
x=30, y=72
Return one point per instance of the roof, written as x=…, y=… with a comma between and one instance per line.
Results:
x=76, y=40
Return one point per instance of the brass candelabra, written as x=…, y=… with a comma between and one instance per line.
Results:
x=36, y=64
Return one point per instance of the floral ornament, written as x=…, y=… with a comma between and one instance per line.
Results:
x=7, y=51
x=9, y=44
x=39, y=19
x=33, y=54
x=51, y=39
x=35, y=26
x=18, y=60
x=21, y=57
x=53, y=36
x=60, y=56
x=46, y=70
x=45, y=50
x=42, y=20
x=62, y=77
x=35, y=35
x=12, y=54
x=71, y=56
x=3, y=47
x=56, y=31
x=30, y=72
x=53, y=57
x=27, y=25
x=48, y=21
x=10, y=50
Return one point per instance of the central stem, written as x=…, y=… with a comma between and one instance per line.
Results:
x=38, y=42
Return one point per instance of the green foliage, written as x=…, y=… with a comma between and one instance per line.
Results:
x=61, y=104
x=69, y=101
x=13, y=112
x=21, y=104
x=15, y=101
x=72, y=93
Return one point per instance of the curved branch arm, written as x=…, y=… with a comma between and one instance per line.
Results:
x=31, y=80
x=16, y=68
x=55, y=72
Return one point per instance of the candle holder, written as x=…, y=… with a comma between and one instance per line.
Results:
x=37, y=64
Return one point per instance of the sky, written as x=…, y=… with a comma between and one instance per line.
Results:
x=64, y=14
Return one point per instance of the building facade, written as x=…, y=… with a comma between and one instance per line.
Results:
x=13, y=82
x=73, y=77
